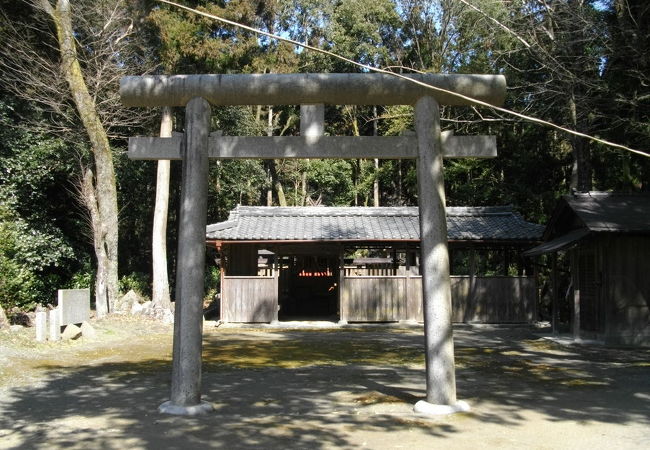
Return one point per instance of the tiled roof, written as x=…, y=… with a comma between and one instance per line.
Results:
x=259, y=223
x=602, y=211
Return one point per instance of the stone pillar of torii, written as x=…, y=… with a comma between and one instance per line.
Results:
x=197, y=92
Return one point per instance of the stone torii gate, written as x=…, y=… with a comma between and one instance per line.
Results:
x=197, y=92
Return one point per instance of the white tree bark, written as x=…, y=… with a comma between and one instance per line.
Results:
x=160, y=290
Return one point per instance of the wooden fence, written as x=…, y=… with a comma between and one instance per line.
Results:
x=373, y=299
x=389, y=298
x=474, y=299
x=249, y=299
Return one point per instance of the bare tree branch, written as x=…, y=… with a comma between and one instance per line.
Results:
x=507, y=29
x=375, y=69
x=107, y=49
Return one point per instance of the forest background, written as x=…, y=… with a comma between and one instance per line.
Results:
x=581, y=64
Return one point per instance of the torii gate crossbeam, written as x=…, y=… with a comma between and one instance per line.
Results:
x=197, y=92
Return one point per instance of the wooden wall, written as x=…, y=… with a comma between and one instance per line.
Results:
x=493, y=299
x=474, y=299
x=389, y=299
x=373, y=299
x=249, y=299
x=624, y=288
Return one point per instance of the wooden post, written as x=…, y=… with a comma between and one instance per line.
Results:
x=341, y=276
x=410, y=314
x=222, y=274
x=436, y=289
x=188, y=315
x=275, y=271
x=576, y=296
x=554, y=287
x=576, y=314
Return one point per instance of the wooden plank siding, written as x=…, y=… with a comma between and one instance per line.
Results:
x=249, y=299
x=624, y=288
x=389, y=299
x=474, y=299
x=373, y=299
x=493, y=299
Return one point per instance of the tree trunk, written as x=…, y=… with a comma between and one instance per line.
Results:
x=356, y=171
x=269, y=169
x=272, y=172
x=282, y=199
x=303, y=187
x=581, y=174
x=90, y=200
x=99, y=188
x=375, y=183
x=160, y=296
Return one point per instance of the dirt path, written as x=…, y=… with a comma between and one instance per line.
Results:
x=341, y=388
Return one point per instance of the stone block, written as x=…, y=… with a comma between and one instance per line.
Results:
x=125, y=303
x=74, y=306
x=4, y=321
x=55, y=326
x=88, y=331
x=136, y=308
x=41, y=326
x=71, y=331
x=167, y=317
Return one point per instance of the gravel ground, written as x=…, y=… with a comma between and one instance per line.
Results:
x=318, y=389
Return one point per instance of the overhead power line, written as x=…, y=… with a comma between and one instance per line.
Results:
x=410, y=80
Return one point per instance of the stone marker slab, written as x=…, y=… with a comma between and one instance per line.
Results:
x=41, y=326
x=74, y=306
x=55, y=328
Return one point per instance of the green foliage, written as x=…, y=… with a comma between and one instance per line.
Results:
x=84, y=278
x=212, y=283
x=27, y=260
x=136, y=281
x=232, y=183
x=593, y=51
x=330, y=180
x=365, y=31
x=34, y=248
x=36, y=252
x=19, y=287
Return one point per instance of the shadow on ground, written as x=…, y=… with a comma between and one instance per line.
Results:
x=299, y=389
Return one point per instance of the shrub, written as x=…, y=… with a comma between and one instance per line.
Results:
x=137, y=281
x=29, y=260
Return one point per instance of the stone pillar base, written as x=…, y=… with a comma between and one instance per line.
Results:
x=430, y=409
x=194, y=410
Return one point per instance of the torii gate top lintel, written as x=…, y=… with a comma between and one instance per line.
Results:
x=309, y=88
